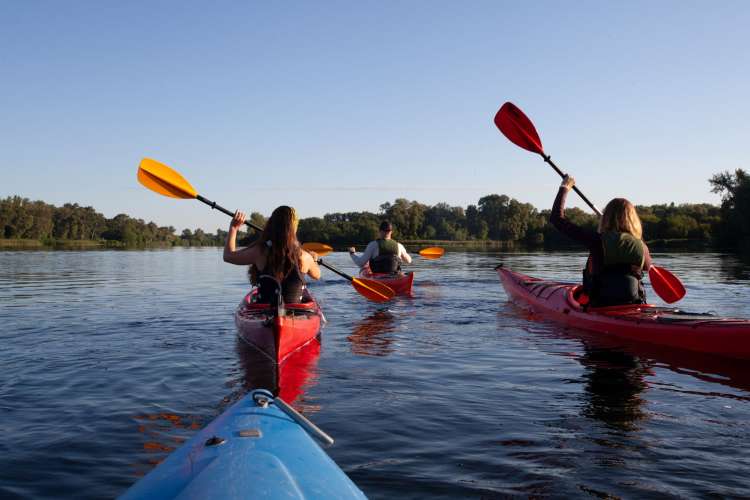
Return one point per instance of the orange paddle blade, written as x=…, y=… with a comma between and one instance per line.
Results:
x=373, y=289
x=432, y=252
x=163, y=180
x=666, y=285
x=319, y=248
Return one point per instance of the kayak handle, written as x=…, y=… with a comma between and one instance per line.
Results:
x=262, y=398
x=310, y=427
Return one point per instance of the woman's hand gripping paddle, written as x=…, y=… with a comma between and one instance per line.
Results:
x=519, y=130
x=163, y=180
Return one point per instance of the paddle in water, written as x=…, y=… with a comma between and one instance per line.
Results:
x=164, y=180
x=519, y=130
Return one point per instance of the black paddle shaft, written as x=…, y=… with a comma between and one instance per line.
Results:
x=213, y=204
x=330, y=267
x=575, y=188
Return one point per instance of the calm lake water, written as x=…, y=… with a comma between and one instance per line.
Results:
x=113, y=358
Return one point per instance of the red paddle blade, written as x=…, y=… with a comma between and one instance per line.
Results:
x=666, y=285
x=517, y=127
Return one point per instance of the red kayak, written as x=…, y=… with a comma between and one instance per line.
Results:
x=400, y=283
x=278, y=335
x=640, y=322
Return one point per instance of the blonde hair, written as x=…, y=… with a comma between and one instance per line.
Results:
x=620, y=216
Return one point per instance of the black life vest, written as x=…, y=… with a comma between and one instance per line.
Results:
x=387, y=259
x=618, y=279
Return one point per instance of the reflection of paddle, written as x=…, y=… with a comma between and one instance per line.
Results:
x=517, y=127
x=165, y=181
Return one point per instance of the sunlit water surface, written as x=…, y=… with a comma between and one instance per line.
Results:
x=112, y=359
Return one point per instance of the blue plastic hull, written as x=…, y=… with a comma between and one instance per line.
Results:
x=262, y=454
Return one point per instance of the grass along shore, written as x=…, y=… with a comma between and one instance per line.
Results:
x=56, y=244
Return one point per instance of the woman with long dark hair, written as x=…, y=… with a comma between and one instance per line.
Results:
x=276, y=259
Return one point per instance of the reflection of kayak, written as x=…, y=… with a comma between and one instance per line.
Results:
x=298, y=372
x=640, y=322
x=288, y=380
x=373, y=336
x=400, y=283
x=252, y=450
x=278, y=335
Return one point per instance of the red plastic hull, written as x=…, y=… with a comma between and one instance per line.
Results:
x=402, y=284
x=728, y=337
x=278, y=337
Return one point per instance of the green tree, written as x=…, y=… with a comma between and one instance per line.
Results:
x=734, y=229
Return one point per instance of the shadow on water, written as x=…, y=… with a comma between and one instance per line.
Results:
x=372, y=336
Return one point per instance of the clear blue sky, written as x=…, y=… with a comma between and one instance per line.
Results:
x=341, y=106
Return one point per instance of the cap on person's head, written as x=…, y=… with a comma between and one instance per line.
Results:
x=386, y=226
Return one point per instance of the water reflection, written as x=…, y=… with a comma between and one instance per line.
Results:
x=288, y=381
x=372, y=335
x=735, y=268
x=258, y=370
x=163, y=433
x=705, y=367
x=614, y=383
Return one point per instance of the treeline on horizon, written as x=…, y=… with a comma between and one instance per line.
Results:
x=493, y=218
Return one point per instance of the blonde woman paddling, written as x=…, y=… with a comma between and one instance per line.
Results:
x=618, y=257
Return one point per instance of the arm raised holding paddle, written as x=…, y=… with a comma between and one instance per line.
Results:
x=164, y=180
x=517, y=127
x=617, y=254
x=276, y=259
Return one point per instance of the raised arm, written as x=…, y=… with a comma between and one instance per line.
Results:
x=243, y=256
x=557, y=217
x=309, y=264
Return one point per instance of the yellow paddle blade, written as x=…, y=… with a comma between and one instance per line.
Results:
x=373, y=290
x=432, y=252
x=319, y=248
x=163, y=180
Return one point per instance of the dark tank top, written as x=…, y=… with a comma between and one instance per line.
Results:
x=292, y=287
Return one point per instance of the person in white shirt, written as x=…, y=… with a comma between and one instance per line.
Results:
x=384, y=255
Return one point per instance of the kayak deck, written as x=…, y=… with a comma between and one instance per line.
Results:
x=640, y=322
x=252, y=450
x=278, y=335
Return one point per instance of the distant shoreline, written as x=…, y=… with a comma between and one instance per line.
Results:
x=678, y=245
